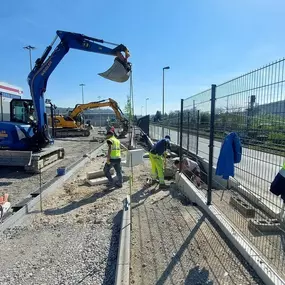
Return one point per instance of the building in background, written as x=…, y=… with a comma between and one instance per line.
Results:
x=7, y=93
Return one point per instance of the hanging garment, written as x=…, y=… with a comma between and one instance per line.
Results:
x=230, y=154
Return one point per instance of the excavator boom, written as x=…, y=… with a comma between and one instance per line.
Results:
x=79, y=108
x=23, y=143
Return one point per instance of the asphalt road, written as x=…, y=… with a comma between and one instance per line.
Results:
x=255, y=172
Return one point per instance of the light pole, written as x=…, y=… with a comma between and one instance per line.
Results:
x=99, y=97
x=2, y=115
x=82, y=86
x=166, y=67
x=146, y=106
x=30, y=48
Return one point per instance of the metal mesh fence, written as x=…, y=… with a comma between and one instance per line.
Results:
x=253, y=106
x=167, y=125
x=197, y=108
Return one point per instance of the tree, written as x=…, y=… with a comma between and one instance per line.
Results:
x=205, y=118
x=157, y=117
x=128, y=108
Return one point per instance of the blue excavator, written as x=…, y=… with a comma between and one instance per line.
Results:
x=25, y=140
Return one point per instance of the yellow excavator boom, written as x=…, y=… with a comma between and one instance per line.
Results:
x=79, y=108
x=70, y=120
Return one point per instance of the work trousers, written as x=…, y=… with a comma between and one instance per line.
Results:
x=116, y=163
x=157, y=164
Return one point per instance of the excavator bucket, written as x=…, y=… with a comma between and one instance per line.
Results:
x=117, y=72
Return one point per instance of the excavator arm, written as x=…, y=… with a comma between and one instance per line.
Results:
x=79, y=108
x=45, y=65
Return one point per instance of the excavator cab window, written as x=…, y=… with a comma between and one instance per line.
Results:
x=68, y=119
x=22, y=111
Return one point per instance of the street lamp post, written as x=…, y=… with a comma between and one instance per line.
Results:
x=82, y=86
x=99, y=97
x=30, y=48
x=164, y=68
x=1, y=105
x=146, y=106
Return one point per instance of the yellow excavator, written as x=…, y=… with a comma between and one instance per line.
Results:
x=72, y=124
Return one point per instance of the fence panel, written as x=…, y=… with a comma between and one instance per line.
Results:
x=196, y=123
x=167, y=125
x=253, y=106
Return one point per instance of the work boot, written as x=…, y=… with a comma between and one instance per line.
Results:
x=109, y=184
x=163, y=186
x=118, y=185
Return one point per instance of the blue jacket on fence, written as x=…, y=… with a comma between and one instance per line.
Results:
x=230, y=154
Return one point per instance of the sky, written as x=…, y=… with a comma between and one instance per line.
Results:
x=203, y=41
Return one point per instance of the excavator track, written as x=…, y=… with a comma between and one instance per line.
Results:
x=32, y=162
x=64, y=133
x=44, y=158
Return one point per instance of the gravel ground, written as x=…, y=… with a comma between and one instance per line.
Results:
x=74, y=241
x=176, y=243
x=19, y=184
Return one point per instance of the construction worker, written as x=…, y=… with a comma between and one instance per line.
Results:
x=190, y=168
x=278, y=184
x=156, y=159
x=113, y=160
x=29, y=113
x=112, y=129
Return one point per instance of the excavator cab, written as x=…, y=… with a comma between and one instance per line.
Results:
x=18, y=133
x=22, y=111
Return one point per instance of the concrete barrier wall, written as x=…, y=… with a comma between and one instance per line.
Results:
x=248, y=251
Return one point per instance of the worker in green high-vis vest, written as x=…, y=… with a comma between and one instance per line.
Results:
x=113, y=160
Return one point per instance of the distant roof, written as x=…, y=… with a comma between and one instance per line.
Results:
x=12, y=89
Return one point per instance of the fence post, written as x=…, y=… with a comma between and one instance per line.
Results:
x=181, y=135
x=198, y=130
x=178, y=128
x=1, y=105
x=188, y=130
x=211, y=144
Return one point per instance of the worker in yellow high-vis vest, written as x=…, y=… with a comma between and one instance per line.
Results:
x=113, y=160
